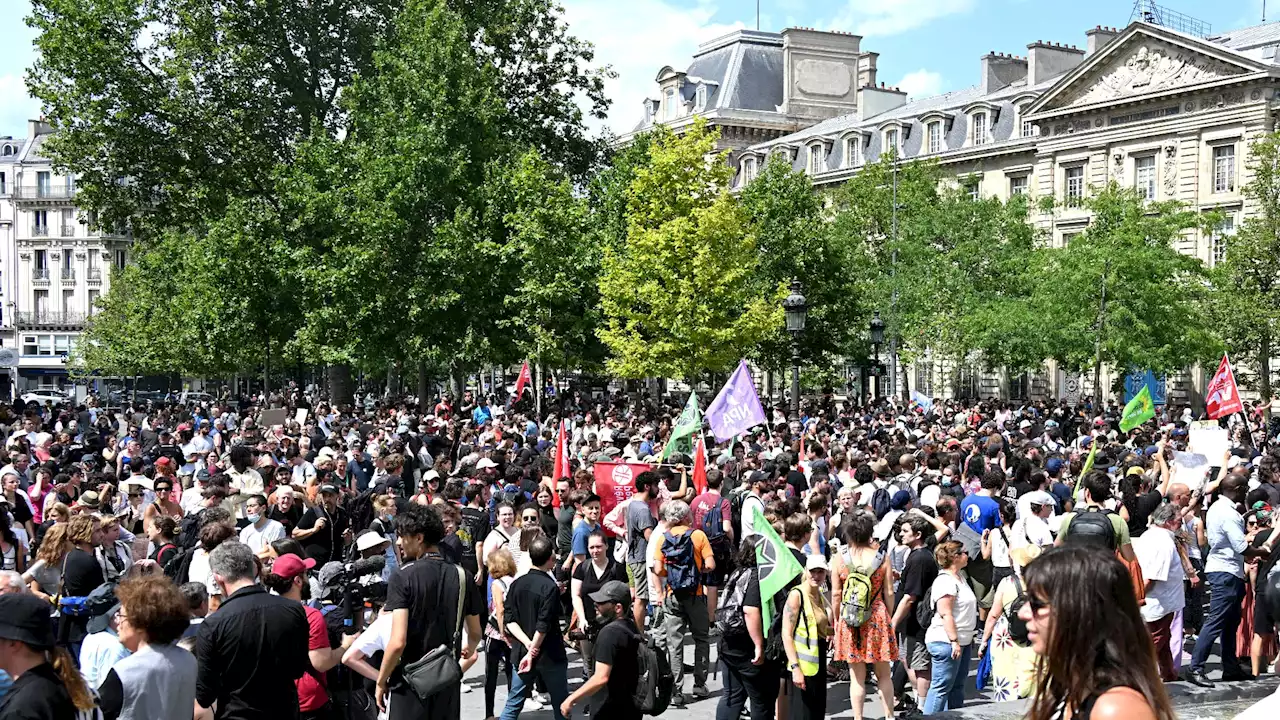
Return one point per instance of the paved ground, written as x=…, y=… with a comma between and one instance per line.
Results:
x=838, y=705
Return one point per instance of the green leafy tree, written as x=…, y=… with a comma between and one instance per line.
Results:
x=1246, y=297
x=679, y=298
x=1156, y=297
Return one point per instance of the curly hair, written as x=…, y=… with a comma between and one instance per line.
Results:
x=155, y=606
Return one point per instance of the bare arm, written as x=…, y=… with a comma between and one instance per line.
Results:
x=355, y=659
x=578, y=608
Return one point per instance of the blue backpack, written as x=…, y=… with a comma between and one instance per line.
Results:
x=682, y=572
x=713, y=528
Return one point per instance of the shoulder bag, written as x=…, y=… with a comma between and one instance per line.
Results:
x=439, y=670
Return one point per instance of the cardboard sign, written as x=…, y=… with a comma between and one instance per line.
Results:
x=1190, y=469
x=301, y=416
x=273, y=417
x=1210, y=439
x=616, y=482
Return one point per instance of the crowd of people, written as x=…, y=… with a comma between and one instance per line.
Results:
x=281, y=557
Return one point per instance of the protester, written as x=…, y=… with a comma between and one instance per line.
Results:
x=589, y=577
x=806, y=629
x=919, y=571
x=1013, y=660
x=614, y=658
x=497, y=650
x=950, y=633
x=532, y=615
x=1162, y=566
x=640, y=524
x=1065, y=589
x=683, y=559
x=859, y=571
x=46, y=685
x=157, y=679
x=749, y=677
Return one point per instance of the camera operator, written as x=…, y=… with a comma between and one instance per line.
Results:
x=288, y=578
x=615, y=656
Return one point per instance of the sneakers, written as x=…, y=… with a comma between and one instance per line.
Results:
x=700, y=691
x=533, y=703
x=677, y=700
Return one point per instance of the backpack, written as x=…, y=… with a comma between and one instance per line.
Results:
x=1017, y=628
x=1092, y=527
x=682, y=571
x=730, y=617
x=360, y=509
x=189, y=530
x=880, y=501
x=655, y=680
x=713, y=528
x=511, y=494
x=178, y=569
x=855, y=598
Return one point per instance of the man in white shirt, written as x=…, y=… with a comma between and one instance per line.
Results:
x=754, y=501
x=245, y=481
x=1162, y=568
x=1035, y=520
x=261, y=530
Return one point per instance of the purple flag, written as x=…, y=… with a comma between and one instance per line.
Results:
x=737, y=408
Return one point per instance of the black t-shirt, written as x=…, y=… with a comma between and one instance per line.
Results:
x=798, y=482
x=473, y=528
x=37, y=695
x=325, y=545
x=428, y=589
x=917, y=577
x=1141, y=512
x=164, y=554
x=586, y=573
x=21, y=511
x=618, y=647
x=81, y=574
x=1017, y=490
x=288, y=519
x=564, y=530
x=451, y=549
x=1265, y=563
x=548, y=522
x=737, y=648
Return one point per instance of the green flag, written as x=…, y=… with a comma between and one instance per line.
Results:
x=776, y=564
x=687, y=425
x=1139, y=410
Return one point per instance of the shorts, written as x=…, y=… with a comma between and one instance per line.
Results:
x=915, y=653
x=638, y=577
x=986, y=594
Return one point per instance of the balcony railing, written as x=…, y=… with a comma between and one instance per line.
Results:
x=40, y=231
x=48, y=318
x=68, y=230
x=95, y=274
x=68, y=273
x=40, y=273
x=43, y=192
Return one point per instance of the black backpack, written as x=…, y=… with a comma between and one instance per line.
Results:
x=178, y=569
x=360, y=509
x=1017, y=627
x=1092, y=527
x=189, y=530
x=655, y=680
x=880, y=501
x=730, y=617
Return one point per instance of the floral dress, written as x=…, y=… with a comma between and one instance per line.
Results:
x=1013, y=667
x=875, y=641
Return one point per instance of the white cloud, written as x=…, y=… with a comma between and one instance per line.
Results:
x=18, y=107
x=889, y=17
x=921, y=83
x=637, y=39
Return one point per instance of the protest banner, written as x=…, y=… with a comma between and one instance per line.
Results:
x=616, y=482
x=1210, y=439
x=1189, y=469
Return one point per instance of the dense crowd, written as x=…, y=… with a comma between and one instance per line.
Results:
x=280, y=557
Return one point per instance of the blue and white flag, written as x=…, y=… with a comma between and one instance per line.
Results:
x=924, y=402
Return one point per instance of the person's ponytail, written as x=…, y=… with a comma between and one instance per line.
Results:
x=71, y=678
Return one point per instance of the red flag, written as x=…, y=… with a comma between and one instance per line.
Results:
x=562, y=461
x=523, y=380
x=1222, y=397
x=700, y=466
x=615, y=482
x=800, y=457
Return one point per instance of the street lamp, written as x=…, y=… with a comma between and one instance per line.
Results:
x=877, y=339
x=796, y=309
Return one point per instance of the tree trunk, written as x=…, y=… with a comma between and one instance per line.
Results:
x=341, y=390
x=906, y=385
x=266, y=369
x=1264, y=370
x=424, y=391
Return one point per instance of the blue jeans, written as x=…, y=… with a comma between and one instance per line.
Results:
x=1225, y=593
x=946, y=689
x=554, y=675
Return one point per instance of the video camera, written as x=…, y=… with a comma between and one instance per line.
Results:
x=356, y=586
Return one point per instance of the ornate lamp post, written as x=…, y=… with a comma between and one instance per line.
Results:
x=796, y=309
x=877, y=339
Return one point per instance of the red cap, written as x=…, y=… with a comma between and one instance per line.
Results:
x=291, y=566
x=163, y=462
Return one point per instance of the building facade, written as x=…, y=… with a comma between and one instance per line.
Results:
x=54, y=264
x=1165, y=112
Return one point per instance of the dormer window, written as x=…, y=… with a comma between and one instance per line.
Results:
x=8, y=150
x=933, y=134
x=817, y=158
x=891, y=141
x=853, y=151
x=981, y=129
x=669, y=104
x=748, y=168
x=700, y=99
x=1026, y=127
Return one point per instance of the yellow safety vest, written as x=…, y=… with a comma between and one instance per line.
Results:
x=806, y=639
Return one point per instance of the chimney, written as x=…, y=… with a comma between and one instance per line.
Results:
x=867, y=69
x=873, y=100
x=1000, y=70
x=1049, y=60
x=1098, y=37
x=820, y=72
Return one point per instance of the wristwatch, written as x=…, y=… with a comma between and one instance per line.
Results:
x=793, y=666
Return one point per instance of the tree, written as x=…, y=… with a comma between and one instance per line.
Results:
x=1154, y=316
x=794, y=241
x=1246, y=282
x=679, y=298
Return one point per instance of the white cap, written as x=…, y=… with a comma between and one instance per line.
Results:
x=485, y=463
x=370, y=540
x=815, y=562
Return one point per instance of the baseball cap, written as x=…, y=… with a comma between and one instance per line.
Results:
x=291, y=566
x=816, y=562
x=485, y=463
x=164, y=462
x=25, y=618
x=900, y=500
x=332, y=489
x=1040, y=497
x=1053, y=465
x=614, y=591
x=89, y=458
x=369, y=540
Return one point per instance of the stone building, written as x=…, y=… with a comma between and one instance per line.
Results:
x=1168, y=113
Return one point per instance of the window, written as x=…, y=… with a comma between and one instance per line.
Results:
x=1028, y=128
x=61, y=344
x=120, y=259
x=93, y=300
x=8, y=149
x=42, y=183
x=42, y=260
x=1020, y=387
x=1018, y=185
x=700, y=99
x=42, y=302
x=853, y=151
x=68, y=300
x=924, y=377
x=748, y=169
x=4, y=189
x=980, y=128
x=1075, y=186
x=934, y=133
x=669, y=104
x=1067, y=237
x=967, y=382
x=68, y=223
x=1144, y=177
x=29, y=346
x=891, y=142
x=817, y=159
x=40, y=223
x=1224, y=169
x=1218, y=240
x=973, y=189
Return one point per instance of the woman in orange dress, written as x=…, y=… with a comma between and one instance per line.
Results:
x=873, y=642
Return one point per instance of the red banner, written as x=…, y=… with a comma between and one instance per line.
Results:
x=1222, y=397
x=700, y=466
x=522, y=380
x=615, y=482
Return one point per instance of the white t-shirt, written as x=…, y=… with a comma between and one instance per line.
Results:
x=964, y=610
x=200, y=572
x=259, y=540
x=374, y=639
x=655, y=541
x=749, y=505
x=1161, y=566
x=1031, y=530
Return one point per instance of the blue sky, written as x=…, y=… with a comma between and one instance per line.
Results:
x=925, y=46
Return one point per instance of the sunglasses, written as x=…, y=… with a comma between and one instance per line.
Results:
x=530, y=518
x=1037, y=605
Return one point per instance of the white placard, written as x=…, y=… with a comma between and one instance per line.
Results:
x=301, y=416
x=1190, y=469
x=1210, y=439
